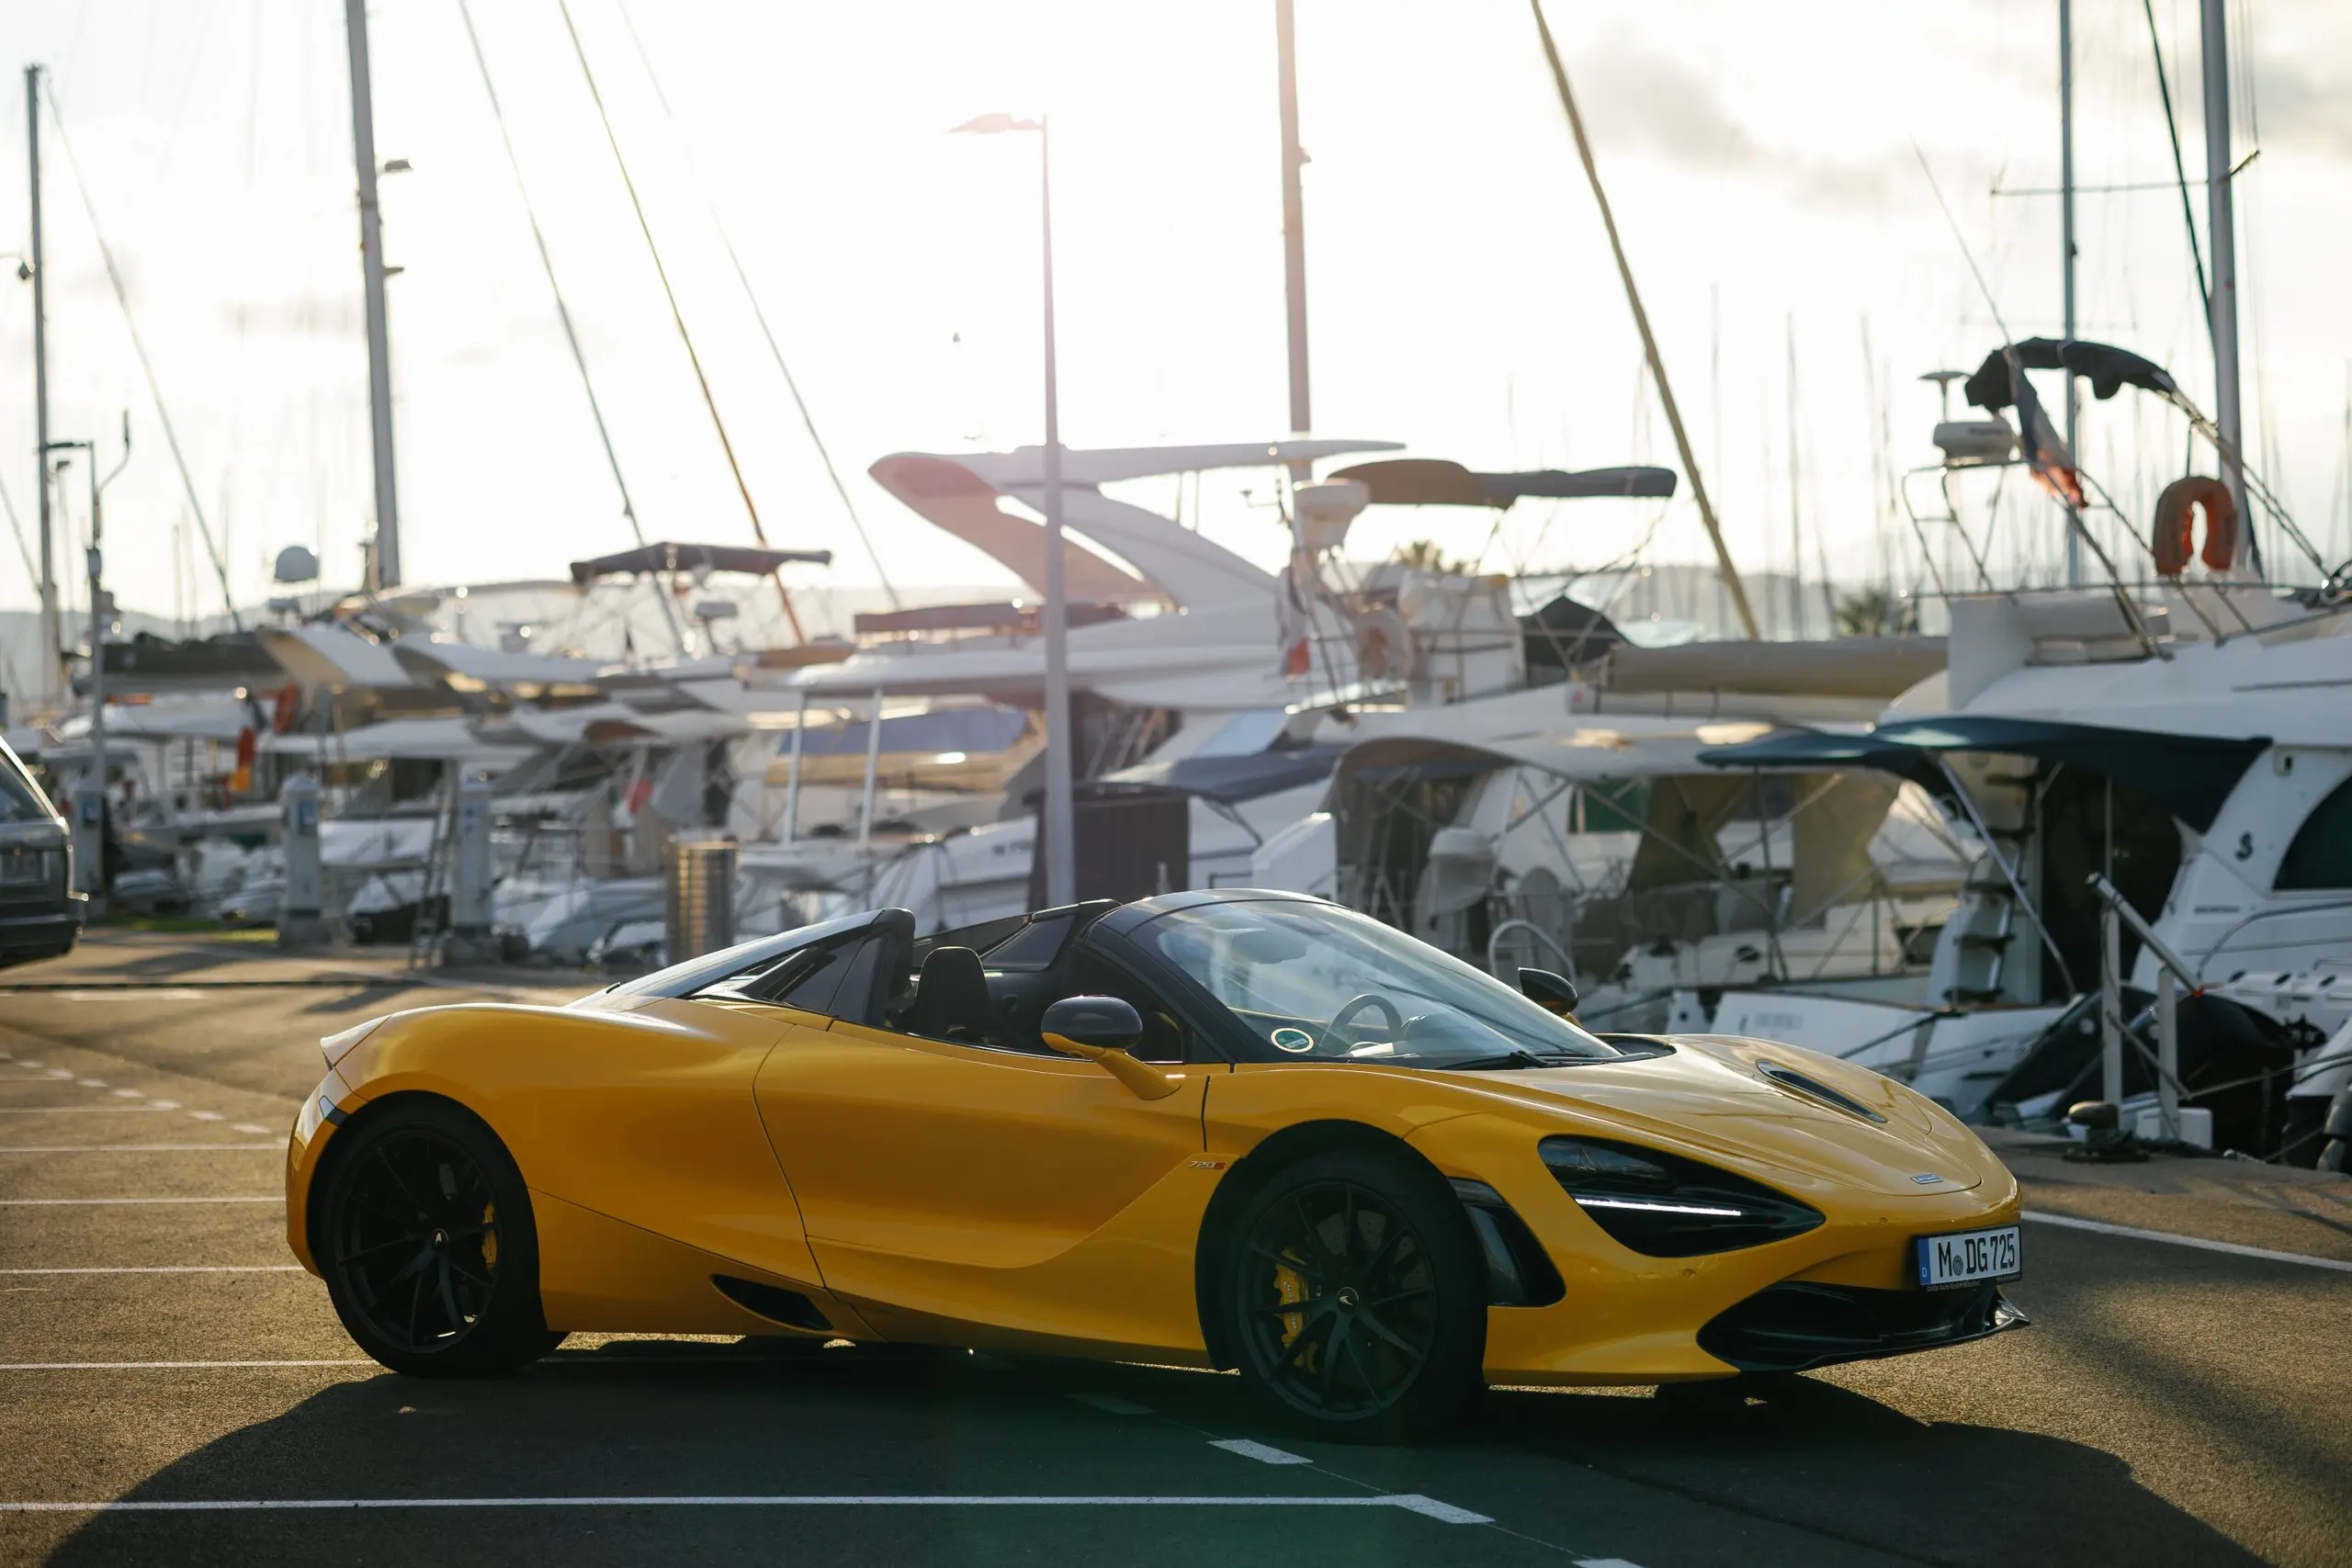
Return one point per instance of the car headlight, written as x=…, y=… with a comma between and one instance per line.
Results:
x=1665, y=1206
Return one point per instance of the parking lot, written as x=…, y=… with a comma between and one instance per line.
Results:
x=172, y=1386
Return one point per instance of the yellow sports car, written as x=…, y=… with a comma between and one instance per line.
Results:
x=1227, y=1129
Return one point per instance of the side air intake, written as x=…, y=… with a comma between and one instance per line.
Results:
x=771, y=1301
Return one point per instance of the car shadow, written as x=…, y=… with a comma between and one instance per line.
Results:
x=652, y=1417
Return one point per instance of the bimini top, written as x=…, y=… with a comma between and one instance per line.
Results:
x=694, y=557
x=1435, y=481
x=2188, y=775
x=2109, y=370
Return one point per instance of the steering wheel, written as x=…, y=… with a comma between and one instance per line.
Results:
x=1368, y=1001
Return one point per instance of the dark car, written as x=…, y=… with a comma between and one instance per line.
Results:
x=41, y=917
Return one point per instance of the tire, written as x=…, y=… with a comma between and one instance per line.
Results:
x=1385, y=1329
x=423, y=1229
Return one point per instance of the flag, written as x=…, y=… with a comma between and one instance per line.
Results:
x=2045, y=450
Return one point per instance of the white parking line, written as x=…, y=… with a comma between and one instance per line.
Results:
x=253, y=1128
x=175, y=1269
x=1411, y=1502
x=208, y=1116
x=70, y=1202
x=160, y=1366
x=1260, y=1451
x=153, y=1105
x=125, y=1148
x=2199, y=1242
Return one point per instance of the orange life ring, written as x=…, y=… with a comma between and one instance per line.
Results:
x=2172, y=538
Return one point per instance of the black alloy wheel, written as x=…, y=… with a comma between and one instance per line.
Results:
x=424, y=1235
x=1353, y=1299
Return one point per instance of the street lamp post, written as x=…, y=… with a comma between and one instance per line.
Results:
x=1061, y=825
x=91, y=809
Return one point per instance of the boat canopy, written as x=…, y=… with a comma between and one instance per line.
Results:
x=1234, y=779
x=1435, y=481
x=2107, y=369
x=2188, y=775
x=694, y=557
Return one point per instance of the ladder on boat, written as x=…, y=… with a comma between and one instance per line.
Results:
x=426, y=931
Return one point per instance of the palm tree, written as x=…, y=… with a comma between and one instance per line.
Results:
x=1875, y=611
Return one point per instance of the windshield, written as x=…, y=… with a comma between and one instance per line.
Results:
x=19, y=800
x=1326, y=984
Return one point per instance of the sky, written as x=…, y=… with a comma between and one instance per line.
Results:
x=1765, y=163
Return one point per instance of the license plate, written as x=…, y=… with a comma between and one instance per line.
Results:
x=19, y=867
x=1967, y=1257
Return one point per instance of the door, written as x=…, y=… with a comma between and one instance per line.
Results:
x=972, y=1185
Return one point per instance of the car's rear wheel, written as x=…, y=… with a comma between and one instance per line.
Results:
x=1354, y=1297
x=423, y=1232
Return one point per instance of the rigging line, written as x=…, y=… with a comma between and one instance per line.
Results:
x=146, y=366
x=759, y=530
x=1729, y=573
x=16, y=527
x=2180, y=169
x=807, y=419
x=563, y=314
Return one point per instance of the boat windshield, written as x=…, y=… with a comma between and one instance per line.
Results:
x=1322, y=983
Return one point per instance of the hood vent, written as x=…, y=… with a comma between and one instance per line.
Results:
x=1813, y=1088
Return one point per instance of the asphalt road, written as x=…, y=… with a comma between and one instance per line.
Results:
x=2170, y=1405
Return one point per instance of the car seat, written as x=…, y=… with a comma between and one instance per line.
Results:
x=952, y=1000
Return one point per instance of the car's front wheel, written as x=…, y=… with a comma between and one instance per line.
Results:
x=423, y=1229
x=1353, y=1296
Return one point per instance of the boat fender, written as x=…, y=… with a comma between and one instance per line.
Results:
x=2172, y=538
x=1384, y=646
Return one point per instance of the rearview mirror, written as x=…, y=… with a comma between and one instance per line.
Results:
x=1553, y=993
x=1103, y=1030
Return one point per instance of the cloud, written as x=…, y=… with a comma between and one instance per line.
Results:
x=2299, y=103
x=1660, y=105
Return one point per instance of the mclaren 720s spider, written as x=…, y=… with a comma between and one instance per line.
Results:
x=1230, y=1129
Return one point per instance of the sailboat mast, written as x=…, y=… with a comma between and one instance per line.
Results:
x=384, y=561
x=1796, y=515
x=2220, y=227
x=1293, y=226
x=51, y=633
x=2067, y=243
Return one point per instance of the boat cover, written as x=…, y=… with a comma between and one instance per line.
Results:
x=2107, y=368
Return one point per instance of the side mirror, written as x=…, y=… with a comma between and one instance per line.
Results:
x=1100, y=1024
x=1553, y=993
x=1103, y=1030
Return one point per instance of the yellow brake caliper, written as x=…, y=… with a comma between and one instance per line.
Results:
x=1289, y=1288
